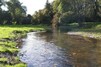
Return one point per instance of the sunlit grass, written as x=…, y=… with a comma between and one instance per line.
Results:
x=3, y=59
x=3, y=49
x=10, y=32
x=17, y=65
x=8, y=44
x=15, y=60
x=8, y=36
x=6, y=31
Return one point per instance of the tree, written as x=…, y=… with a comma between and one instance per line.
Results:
x=27, y=19
x=1, y=3
x=17, y=10
x=55, y=5
x=44, y=16
x=77, y=10
x=97, y=10
x=7, y=18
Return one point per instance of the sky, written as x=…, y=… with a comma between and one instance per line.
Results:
x=34, y=5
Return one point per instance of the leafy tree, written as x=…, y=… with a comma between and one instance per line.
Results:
x=55, y=5
x=77, y=10
x=17, y=10
x=27, y=19
x=44, y=16
x=6, y=17
x=97, y=10
x=1, y=3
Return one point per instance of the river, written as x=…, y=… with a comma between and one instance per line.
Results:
x=40, y=49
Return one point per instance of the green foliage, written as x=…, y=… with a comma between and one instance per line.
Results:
x=9, y=43
x=69, y=11
x=67, y=17
x=77, y=11
x=55, y=5
x=1, y=3
x=1, y=11
x=3, y=59
x=98, y=26
x=17, y=65
x=10, y=34
x=6, y=18
x=44, y=16
x=16, y=10
x=60, y=8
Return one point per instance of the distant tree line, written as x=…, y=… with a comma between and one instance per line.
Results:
x=44, y=16
x=56, y=13
x=77, y=11
x=61, y=12
x=15, y=13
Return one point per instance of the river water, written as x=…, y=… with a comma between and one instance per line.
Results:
x=42, y=49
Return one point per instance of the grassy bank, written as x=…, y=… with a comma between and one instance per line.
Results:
x=10, y=41
x=94, y=31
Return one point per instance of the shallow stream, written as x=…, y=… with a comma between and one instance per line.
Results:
x=42, y=49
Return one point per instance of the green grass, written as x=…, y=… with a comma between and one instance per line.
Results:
x=3, y=59
x=8, y=36
x=3, y=49
x=10, y=32
x=6, y=31
x=16, y=65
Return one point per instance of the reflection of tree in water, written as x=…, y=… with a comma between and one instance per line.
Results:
x=85, y=52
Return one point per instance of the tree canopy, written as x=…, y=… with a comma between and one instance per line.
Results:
x=59, y=12
x=16, y=10
x=78, y=10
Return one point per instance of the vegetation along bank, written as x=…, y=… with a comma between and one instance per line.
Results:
x=10, y=41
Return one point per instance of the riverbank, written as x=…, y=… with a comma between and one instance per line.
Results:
x=10, y=41
x=93, y=32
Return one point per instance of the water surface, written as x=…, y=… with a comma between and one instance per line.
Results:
x=42, y=49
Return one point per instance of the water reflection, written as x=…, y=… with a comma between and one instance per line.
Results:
x=36, y=52
x=60, y=50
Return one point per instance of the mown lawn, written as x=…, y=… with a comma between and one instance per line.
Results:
x=10, y=37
